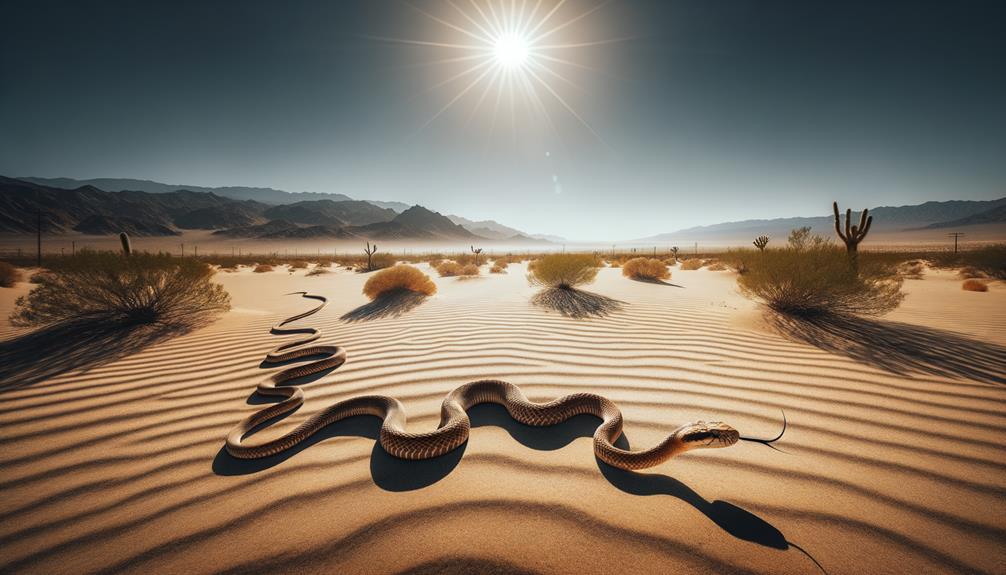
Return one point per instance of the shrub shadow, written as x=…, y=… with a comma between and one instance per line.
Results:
x=897, y=347
x=78, y=346
x=576, y=303
x=656, y=281
x=392, y=304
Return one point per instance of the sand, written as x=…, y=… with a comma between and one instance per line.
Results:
x=893, y=462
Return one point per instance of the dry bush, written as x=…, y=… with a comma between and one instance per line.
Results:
x=400, y=278
x=497, y=269
x=464, y=259
x=691, y=265
x=502, y=263
x=717, y=266
x=318, y=272
x=912, y=270
x=381, y=261
x=974, y=285
x=9, y=275
x=449, y=269
x=563, y=271
x=470, y=270
x=262, y=268
x=971, y=272
x=109, y=287
x=819, y=280
x=435, y=263
x=646, y=269
x=297, y=265
x=324, y=265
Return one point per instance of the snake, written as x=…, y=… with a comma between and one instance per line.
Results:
x=455, y=425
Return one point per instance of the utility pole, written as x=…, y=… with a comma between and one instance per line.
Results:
x=955, y=235
x=183, y=250
x=73, y=248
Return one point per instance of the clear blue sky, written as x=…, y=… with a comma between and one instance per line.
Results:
x=701, y=111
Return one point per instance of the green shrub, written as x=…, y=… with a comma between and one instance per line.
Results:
x=9, y=275
x=563, y=271
x=109, y=287
x=820, y=279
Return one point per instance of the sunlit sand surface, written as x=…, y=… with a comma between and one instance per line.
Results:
x=893, y=462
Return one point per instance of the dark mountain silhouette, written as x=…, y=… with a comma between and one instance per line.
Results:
x=264, y=195
x=102, y=225
x=258, y=230
x=996, y=215
x=329, y=213
x=417, y=222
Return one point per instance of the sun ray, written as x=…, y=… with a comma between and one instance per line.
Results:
x=567, y=23
x=585, y=44
x=488, y=88
x=475, y=23
x=455, y=99
x=488, y=21
x=427, y=43
x=448, y=24
x=546, y=18
x=568, y=107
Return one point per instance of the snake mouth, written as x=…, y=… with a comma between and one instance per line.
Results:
x=709, y=434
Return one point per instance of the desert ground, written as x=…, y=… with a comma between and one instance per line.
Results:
x=893, y=461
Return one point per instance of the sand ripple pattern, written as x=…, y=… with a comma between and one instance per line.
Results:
x=455, y=424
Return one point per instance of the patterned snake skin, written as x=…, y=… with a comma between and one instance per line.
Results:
x=454, y=423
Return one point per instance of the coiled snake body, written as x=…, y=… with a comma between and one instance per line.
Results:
x=454, y=423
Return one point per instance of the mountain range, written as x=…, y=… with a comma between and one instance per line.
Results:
x=886, y=219
x=90, y=210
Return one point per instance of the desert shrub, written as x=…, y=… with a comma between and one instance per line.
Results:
x=324, y=265
x=449, y=269
x=381, y=261
x=717, y=266
x=819, y=280
x=262, y=268
x=645, y=269
x=110, y=287
x=297, y=265
x=9, y=275
x=318, y=271
x=564, y=271
x=497, y=268
x=912, y=270
x=464, y=259
x=400, y=278
x=469, y=270
x=435, y=263
x=691, y=265
x=971, y=272
x=501, y=263
x=974, y=285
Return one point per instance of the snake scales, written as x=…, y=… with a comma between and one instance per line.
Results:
x=454, y=423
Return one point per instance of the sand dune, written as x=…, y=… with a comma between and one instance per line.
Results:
x=893, y=463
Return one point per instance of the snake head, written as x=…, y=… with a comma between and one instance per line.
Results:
x=708, y=434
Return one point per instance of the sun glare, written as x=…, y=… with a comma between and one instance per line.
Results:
x=512, y=55
x=511, y=50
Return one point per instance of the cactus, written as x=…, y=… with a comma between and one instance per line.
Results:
x=476, y=251
x=760, y=242
x=126, y=247
x=674, y=250
x=853, y=234
x=370, y=254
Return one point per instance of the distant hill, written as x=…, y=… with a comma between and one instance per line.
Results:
x=331, y=213
x=486, y=228
x=264, y=195
x=996, y=215
x=420, y=223
x=887, y=219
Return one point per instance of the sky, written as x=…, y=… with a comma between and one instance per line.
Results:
x=634, y=117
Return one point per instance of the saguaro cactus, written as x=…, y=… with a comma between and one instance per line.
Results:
x=760, y=242
x=127, y=248
x=476, y=251
x=370, y=254
x=853, y=234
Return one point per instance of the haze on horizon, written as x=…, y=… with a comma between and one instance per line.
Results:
x=676, y=113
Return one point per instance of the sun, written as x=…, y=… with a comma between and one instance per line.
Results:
x=511, y=51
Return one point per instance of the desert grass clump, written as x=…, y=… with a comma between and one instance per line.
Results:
x=971, y=272
x=469, y=270
x=449, y=269
x=435, y=263
x=9, y=275
x=912, y=270
x=297, y=265
x=318, y=271
x=820, y=280
x=647, y=269
x=397, y=279
x=381, y=261
x=563, y=271
x=717, y=266
x=975, y=285
x=498, y=269
x=111, y=288
x=691, y=265
x=262, y=268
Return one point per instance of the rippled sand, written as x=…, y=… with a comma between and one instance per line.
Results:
x=893, y=463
